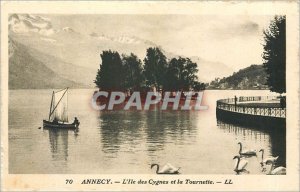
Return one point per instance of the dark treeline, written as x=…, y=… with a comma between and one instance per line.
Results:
x=128, y=73
x=274, y=54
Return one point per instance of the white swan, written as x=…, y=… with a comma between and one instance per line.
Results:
x=263, y=161
x=246, y=152
x=277, y=170
x=167, y=169
x=240, y=164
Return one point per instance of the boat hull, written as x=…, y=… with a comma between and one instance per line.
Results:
x=49, y=124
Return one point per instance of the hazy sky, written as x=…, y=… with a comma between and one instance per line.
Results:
x=233, y=40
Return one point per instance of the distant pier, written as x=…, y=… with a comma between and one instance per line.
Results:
x=261, y=111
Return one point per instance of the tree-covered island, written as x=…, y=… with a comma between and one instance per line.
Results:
x=127, y=73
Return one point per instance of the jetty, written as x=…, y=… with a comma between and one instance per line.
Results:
x=261, y=111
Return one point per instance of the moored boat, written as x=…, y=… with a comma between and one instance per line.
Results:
x=49, y=124
x=58, y=116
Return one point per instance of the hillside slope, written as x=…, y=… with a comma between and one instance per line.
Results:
x=26, y=72
x=252, y=77
x=78, y=74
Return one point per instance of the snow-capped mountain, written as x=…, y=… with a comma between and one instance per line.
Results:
x=127, y=39
x=100, y=37
x=25, y=23
x=66, y=45
x=124, y=39
x=68, y=30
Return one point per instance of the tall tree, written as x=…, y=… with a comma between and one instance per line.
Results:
x=189, y=74
x=110, y=76
x=155, y=67
x=133, y=70
x=181, y=74
x=172, y=75
x=274, y=54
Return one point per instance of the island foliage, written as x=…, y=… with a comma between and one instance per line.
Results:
x=128, y=73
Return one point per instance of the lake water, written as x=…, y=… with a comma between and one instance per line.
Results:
x=128, y=142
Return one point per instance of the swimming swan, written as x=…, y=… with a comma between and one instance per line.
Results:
x=167, y=169
x=240, y=164
x=263, y=161
x=246, y=152
x=277, y=170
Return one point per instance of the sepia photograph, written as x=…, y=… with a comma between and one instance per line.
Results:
x=203, y=99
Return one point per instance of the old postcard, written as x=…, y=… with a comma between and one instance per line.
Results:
x=149, y=96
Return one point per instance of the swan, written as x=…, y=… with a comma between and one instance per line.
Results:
x=167, y=169
x=263, y=161
x=240, y=164
x=276, y=171
x=246, y=152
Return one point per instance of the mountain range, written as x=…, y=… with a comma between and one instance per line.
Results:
x=43, y=56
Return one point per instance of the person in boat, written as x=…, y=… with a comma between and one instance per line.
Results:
x=76, y=122
x=55, y=120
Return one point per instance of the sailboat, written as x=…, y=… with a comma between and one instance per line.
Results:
x=58, y=116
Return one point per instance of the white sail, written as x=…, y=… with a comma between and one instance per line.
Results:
x=59, y=107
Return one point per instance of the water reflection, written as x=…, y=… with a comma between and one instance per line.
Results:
x=129, y=130
x=155, y=129
x=127, y=142
x=58, y=139
x=276, y=136
x=168, y=127
x=119, y=128
x=247, y=133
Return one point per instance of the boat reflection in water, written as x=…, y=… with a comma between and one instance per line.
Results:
x=276, y=136
x=59, y=139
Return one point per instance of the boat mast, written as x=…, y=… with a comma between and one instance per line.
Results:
x=66, y=110
x=51, y=105
x=59, y=101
